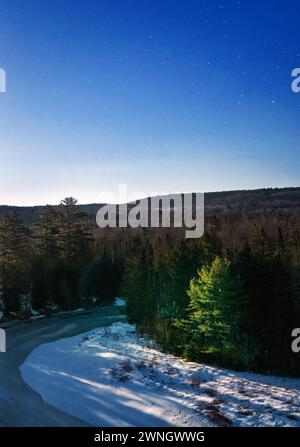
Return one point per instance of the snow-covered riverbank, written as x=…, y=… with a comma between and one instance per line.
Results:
x=111, y=377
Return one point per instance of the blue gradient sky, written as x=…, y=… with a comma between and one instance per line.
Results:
x=163, y=95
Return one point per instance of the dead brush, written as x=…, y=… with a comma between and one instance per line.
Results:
x=170, y=371
x=142, y=364
x=127, y=366
x=118, y=374
x=154, y=361
x=107, y=332
x=214, y=414
x=248, y=393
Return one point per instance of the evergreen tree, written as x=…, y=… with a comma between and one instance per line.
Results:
x=73, y=238
x=47, y=234
x=46, y=258
x=213, y=313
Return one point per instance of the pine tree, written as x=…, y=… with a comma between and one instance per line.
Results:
x=13, y=240
x=74, y=238
x=46, y=257
x=213, y=313
x=47, y=234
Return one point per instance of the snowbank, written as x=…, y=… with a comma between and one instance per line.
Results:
x=120, y=302
x=110, y=377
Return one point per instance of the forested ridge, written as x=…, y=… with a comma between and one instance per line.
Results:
x=227, y=203
x=230, y=298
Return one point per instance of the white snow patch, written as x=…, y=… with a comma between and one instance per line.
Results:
x=120, y=302
x=112, y=377
x=37, y=317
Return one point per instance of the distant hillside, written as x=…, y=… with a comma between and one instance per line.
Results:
x=233, y=203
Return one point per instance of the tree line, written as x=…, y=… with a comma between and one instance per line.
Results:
x=56, y=262
x=230, y=298
x=233, y=305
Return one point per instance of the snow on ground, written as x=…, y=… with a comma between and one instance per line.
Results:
x=120, y=302
x=112, y=377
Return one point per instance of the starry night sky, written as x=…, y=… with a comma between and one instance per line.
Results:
x=163, y=95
